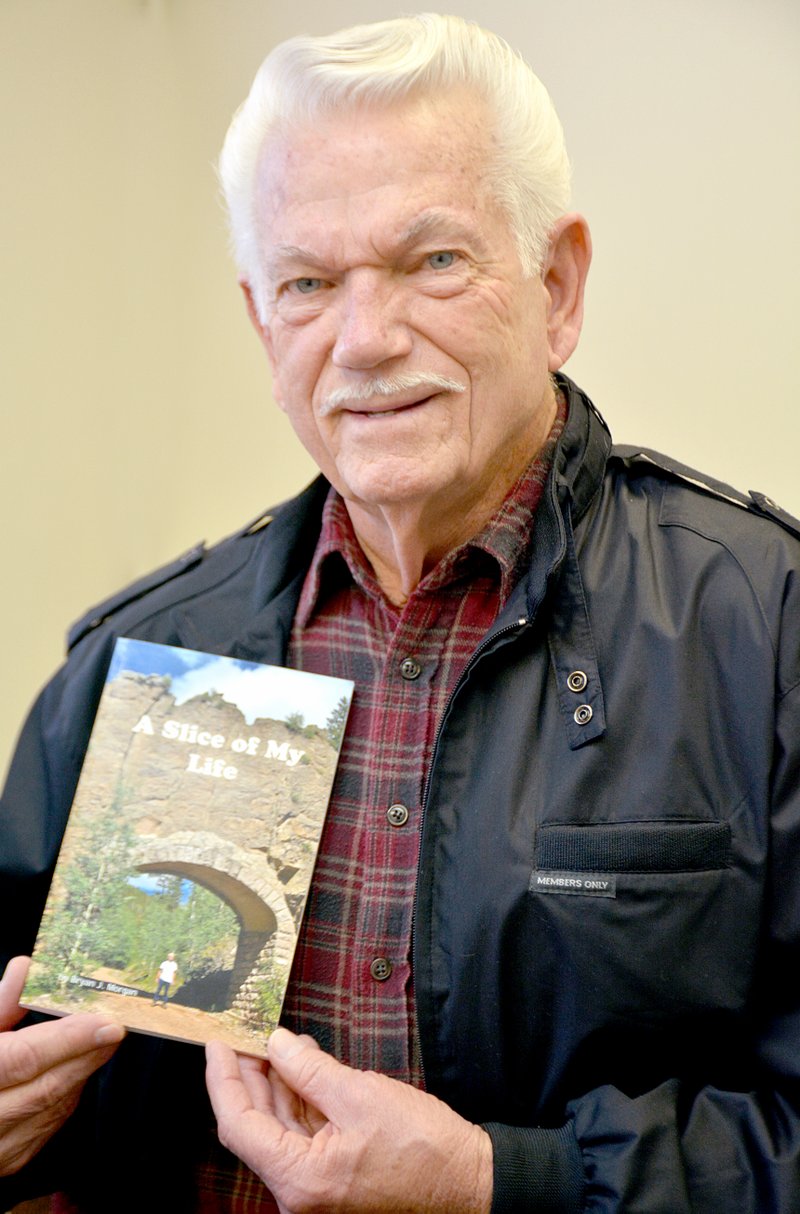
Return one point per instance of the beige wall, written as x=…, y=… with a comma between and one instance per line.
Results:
x=135, y=406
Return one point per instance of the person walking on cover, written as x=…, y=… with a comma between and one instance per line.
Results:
x=166, y=976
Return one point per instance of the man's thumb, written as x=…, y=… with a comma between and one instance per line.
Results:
x=285, y=1045
x=303, y=1065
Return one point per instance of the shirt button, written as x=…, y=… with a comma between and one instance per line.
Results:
x=410, y=669
x=577, y=681
x=583, y=715
x=397, y=815
x=380, y=969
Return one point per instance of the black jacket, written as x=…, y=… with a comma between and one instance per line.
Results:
x=607, y=935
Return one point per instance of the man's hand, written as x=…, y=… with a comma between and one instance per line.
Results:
x=324, y=1137
x=42, y=1069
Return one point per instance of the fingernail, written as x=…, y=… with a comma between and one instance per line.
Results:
x=283, y=1044
x=109, y=1034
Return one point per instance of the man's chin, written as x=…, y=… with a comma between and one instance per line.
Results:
x=399, y=489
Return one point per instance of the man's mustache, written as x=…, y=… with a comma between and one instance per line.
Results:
x=387, y=386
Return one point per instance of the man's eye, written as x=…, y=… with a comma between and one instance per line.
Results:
x=441, y=260
x=307, y=286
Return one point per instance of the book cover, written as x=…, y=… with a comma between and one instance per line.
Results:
x=185, y=866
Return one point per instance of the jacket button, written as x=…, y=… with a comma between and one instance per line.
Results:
x=380, y=969
x=410, y=669
x=577, y=681
x=397, y=815
x=583, y=714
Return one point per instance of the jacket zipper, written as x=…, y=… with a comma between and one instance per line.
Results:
x=486, y=643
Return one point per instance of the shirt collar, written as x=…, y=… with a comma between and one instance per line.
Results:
x=339, y=560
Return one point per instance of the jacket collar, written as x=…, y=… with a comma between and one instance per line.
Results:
x=554, y=579
x=582, y=452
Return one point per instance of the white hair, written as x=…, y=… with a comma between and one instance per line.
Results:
x=387, y=62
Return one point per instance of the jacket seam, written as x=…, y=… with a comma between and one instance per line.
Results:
x=715, y=539
x=173, y=603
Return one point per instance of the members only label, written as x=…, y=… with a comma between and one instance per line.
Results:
x=592, y=885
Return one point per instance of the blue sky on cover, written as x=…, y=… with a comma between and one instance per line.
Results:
x=256, y=690
x=150, y=884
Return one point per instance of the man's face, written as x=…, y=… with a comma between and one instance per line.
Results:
x=385, y=257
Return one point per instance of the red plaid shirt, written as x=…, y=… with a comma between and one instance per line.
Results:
x=351, y=982
x=351, y=985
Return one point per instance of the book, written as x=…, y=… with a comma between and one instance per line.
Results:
x=183, y=874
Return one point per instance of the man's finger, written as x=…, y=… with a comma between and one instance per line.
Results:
x=42, y=1071
x=250, y=1134
x=254, y=1077
x=48, y=1098
x=292, y=1110
x=11, y=985
x=226, y=1088
x=41, y=1047
x=31, y=1112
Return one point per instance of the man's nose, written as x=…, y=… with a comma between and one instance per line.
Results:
x=371, y=325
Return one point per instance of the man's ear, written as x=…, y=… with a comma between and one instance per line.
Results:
x=564, y=275
x=264, y=335
x=252, y=312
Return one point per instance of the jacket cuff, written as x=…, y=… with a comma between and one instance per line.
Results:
x=536, y=1170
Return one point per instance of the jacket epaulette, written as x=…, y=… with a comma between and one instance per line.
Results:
x=155, y=578
x=754, y=502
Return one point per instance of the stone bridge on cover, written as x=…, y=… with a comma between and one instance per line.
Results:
x=241, y=878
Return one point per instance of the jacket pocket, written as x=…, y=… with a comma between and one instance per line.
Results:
x=634, y=847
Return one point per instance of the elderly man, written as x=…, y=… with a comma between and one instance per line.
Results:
x=548, y=957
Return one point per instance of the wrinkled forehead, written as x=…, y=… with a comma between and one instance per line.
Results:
x=363, y=178
x=446, y=133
